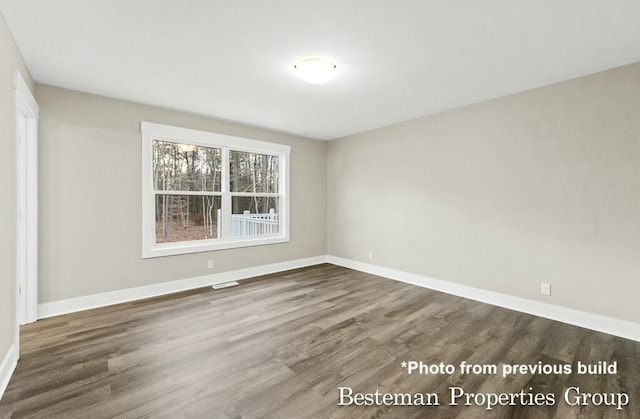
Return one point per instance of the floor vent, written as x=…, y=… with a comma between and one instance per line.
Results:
x=224, y=285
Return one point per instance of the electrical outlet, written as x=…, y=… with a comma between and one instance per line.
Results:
x=370, y=255
x=545, y=289
x=210, y=264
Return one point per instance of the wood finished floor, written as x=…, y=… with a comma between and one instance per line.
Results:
x=280, y=347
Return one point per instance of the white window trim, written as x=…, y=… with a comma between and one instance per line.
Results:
x=151, y=131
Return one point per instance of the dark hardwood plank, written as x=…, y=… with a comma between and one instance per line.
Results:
x=279, y=346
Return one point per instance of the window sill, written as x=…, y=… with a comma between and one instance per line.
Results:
x=181, y=248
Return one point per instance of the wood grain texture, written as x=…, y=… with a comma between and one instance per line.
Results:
x=280, y=346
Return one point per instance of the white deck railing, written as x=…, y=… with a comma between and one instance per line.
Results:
x=247, y=224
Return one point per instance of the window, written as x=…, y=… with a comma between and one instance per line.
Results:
x=204, y=191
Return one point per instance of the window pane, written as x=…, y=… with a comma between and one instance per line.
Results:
x=253, y=172
x=186, y=217
x=184, y=167
x=254, y=216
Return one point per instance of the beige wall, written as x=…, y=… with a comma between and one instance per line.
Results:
x=10, y=59
x=542, y=186
x=90, y=201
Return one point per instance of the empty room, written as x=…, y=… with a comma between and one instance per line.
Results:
x=335, y=209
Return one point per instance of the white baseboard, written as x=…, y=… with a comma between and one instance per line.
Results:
x=73, y=305
x=7, y=367
x=616, y=327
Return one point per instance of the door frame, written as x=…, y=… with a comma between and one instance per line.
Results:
x=26, y=129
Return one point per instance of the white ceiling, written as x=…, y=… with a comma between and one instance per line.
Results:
x=397, y=59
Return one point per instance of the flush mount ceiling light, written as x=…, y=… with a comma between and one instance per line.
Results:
x=315, y=70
